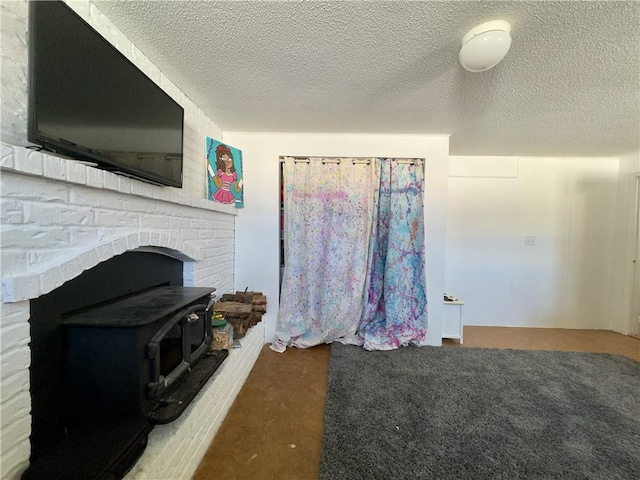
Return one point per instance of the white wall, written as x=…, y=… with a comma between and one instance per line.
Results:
x=566, y=279
x=625, y=300
x=257, y=225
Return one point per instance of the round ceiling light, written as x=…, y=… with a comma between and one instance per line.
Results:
x=485, y=45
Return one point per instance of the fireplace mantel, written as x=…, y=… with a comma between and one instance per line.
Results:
x=33, y=178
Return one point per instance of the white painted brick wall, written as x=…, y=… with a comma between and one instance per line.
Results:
x=15, y=427
x=59, y=217
x=53, y=230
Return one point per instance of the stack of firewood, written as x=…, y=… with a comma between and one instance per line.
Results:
x=242, y=310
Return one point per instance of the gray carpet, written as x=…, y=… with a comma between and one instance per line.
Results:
x=468, y=413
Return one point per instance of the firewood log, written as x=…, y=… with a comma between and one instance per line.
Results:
x=236, y=309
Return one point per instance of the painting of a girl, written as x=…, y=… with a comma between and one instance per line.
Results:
x=225, y=182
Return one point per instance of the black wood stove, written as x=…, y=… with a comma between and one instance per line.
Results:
x=125, y=364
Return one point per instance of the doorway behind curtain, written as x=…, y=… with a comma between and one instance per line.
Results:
x=354, y=254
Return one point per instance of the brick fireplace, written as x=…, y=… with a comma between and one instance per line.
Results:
x=61, y=218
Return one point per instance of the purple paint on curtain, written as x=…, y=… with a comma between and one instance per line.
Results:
x=395, y=304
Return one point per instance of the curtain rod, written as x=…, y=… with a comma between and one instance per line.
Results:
x=365, y=161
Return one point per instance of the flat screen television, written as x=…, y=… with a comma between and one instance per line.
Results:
x=87, y=101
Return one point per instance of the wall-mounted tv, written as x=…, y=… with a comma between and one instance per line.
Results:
x=87, y=101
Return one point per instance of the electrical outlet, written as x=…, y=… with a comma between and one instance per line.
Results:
x=529, y=240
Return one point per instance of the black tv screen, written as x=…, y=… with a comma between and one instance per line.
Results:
x=89, y=102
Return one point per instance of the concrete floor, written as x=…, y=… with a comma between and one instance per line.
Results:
x=274, y=428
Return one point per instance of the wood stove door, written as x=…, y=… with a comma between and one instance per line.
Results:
x=176, y=348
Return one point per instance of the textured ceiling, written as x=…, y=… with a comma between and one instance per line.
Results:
x=570, y=85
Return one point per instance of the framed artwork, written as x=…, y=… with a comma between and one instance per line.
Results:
x=224, y=173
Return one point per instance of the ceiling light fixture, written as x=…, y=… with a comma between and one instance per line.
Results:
x=485, y=45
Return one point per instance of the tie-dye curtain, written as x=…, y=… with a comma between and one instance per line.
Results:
x=354, y=254
x=328, y=210
x=395, y=302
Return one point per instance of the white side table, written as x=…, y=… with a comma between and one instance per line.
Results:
x=452, y=323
